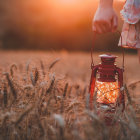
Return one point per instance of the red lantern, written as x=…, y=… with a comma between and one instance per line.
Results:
x=106, y=82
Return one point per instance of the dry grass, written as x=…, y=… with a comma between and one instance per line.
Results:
x=42, y=98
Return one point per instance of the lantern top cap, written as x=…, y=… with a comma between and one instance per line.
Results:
x=107, y=56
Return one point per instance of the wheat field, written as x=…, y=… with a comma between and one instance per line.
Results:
x=44, y=96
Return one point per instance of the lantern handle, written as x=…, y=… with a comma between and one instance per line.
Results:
x=92, y=61
x=94, y=39
x=122, y=48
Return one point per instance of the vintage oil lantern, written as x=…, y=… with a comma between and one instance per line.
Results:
x=106, y=82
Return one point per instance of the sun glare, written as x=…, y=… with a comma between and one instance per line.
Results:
x=68, y=1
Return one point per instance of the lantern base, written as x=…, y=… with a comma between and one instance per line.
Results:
x=106, y=107
x=106, y=112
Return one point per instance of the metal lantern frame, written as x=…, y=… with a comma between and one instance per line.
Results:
x=107, y=71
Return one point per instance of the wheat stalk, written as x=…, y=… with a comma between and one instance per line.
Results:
x=21, y=117
x=27, y=66
x=70, y=90
x=65, y=90
x=42, y=68
x=84, y=92
x=53, y=63
x=133, y=85
x=128, y=95
x=51, y=86
x=14, y=92
x=36, y=76
x=13, y=66
x=42, y=131
x=5, y=95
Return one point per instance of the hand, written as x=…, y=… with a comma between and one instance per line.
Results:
x=105, y=20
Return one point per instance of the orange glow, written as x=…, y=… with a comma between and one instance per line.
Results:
x=107, y=92
x=49, y=24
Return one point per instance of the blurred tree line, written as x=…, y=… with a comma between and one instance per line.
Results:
x=50, y=24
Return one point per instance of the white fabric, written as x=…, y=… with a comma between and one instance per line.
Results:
x=131, y=11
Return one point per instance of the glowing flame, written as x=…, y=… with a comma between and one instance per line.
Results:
x=107, y=92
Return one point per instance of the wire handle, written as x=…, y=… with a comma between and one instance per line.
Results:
x=94, y=39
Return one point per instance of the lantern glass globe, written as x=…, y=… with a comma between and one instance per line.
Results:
x=107, y=92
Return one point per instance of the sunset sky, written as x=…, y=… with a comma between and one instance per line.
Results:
x=52, y=22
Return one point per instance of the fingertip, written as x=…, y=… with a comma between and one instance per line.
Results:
x=99, y=29
x=115, y=24
x=93, y=28
x=114, y=29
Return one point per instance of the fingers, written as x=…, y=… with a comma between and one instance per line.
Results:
x=105, y=27
x=114, y=24
x=101, y=27
x=98, y=28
